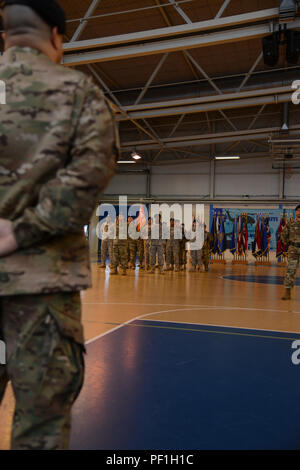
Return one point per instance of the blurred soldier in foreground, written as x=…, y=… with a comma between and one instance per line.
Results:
x=57, y=155
x=291, y=235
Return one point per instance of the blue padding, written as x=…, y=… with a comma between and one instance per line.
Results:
x=156, y=385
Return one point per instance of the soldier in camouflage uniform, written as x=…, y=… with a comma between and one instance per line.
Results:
x=173, y=247
x=106, y=243
x=182, y=252
x=206, y=248
x=291, y=235
x=196, y=254
x=55, y=161
x=156, y=247
x=119, y=245
x=131, y=246
x=146, y=235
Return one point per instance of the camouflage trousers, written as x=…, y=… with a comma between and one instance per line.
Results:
x=182, y=256
x=44, y=344
x=120, y=253
x=147, y=250
x=132, y=251
x=293, y=263
x=156, y=250
x=196, y=256
x=106, y=248
x=173, y=252
x=141, y=251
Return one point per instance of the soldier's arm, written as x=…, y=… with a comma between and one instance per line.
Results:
x=285, y=234
x=66, y=203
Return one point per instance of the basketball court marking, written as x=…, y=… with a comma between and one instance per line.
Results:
x=213, y=307
x=141, y=317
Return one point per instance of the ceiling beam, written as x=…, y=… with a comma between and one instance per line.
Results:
x=171, y=31
x=209, y=103
x=173, y=45
x=208, y=139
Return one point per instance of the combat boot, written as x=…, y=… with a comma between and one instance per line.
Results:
x=114, y=271
x=176, y=269
x=161, y=270
x=148, y=267
x=123, y=272
x=287, y=295
x=102, y=266
x=152, y=270
x=193, y=269
x=168, y=268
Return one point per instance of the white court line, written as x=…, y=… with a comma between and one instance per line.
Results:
x=213, y=307
x=141, y=317
x=222, y=326
x=126, y=323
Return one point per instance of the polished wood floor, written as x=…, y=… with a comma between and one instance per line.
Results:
x=200, y=298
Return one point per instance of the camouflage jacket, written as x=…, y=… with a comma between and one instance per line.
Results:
x=58, y=144
x=291, y=232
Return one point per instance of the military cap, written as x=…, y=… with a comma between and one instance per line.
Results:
x=298, y=207
x=49, y=10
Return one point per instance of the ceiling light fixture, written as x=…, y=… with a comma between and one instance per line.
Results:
x=136, y=156
x=229, y=157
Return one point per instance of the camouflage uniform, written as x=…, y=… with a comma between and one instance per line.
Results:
x=141, y=252
x=55, y=161
x=119, y=248
x=206, y=249
x=106, y=244
x=146, y=235
x=156, y=247
x=291, y=235
x=182, y=250
x=173, y=248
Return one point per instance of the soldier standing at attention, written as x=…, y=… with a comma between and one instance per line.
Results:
x=173, y=247
x=206, y=248
x=57, y=155
x=106, y=243
x=120, y=245
x=156, y=247
x=291, y=235
x=146, y=234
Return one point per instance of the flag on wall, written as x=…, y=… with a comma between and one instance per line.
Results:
x=266, y=235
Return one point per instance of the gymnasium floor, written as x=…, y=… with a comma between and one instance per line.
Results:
x=187, y=361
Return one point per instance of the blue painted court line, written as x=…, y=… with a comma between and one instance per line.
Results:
x=260, y=279
x=157, y=385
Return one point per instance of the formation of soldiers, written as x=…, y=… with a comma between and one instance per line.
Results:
x=158, y=245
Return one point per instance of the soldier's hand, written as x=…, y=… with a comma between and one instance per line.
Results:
x=8, y=243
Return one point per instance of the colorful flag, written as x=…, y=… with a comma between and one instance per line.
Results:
x=142, y=221
x=266, y=236
x=256, y=248
x=233, y=243
x=221, y=246
x=279, y=245
x=213, y=231
x=242, y=235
